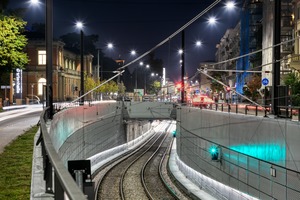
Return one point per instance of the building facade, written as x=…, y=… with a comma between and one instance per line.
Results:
x=65, y=75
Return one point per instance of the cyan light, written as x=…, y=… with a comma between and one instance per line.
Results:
x=271, y=152
x=214, y=153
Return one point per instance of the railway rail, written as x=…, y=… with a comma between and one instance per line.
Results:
x=140, y=173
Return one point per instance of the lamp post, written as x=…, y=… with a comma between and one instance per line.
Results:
x=145, y=84
x=79, y=25
x=49, y=53
x=182, y=66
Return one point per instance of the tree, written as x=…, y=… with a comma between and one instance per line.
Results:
x=215, y=86
x=293, y=81
x=89, y=83
x=155, y=87
x=252, y=87
x=12, y=43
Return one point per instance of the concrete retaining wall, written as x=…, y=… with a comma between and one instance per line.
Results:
x=81, y=132
x=247, y=145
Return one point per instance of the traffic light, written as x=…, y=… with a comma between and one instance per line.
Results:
x=178, y=86
x=228, y=88
x=214, y=152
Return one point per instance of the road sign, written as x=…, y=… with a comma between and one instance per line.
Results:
x=5, y=87
x=265, y=81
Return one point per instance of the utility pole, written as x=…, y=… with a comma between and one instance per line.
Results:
x=81, y=102
x=276, y=55
x=49, y=43
x=98, y=66
x=182, y=66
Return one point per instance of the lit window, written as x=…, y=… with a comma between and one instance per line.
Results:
x=42, y=57
x=41, y=83
x=66, y=63
x=60, y=58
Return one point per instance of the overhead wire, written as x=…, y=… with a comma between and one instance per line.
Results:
x=172, y=35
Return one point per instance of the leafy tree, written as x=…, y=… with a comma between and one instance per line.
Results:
x=89, y=83
x=215, y=86
x=108, y=87
x=252, y=87
x=293, y=81
x=112, y=86
x=155, y=87
x=12, y=43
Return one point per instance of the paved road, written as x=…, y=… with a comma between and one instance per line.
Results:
x=15, y=122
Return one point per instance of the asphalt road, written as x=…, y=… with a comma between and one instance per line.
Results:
x=15, y=122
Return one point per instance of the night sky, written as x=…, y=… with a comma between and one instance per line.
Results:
x=141, y=25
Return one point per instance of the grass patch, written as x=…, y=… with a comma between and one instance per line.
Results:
x=15, y=167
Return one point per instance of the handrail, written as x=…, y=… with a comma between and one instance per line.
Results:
x=288, y=111
x=65, y=179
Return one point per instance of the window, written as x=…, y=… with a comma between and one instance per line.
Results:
x=41, y=83
x=60, y=61
x=66, y=63
x=42, y=57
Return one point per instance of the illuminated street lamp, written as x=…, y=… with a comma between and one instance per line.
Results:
x=133, y=52
x=79, y=25
x=230, y=5
x=198, y=43
x=212, y=20
x=49, y=44
x=34, y=2
x=109, y=46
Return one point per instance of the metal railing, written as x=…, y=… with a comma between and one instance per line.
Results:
x=291, y=112
x=63, y=183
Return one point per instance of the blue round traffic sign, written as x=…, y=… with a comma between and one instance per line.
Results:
x=265, y=81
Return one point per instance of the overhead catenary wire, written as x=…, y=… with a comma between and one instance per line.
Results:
x=255, y=52
x=173, y=35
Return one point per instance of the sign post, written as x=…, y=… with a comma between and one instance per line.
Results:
x=265, y=82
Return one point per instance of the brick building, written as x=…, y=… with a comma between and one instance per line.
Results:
x=66, y=71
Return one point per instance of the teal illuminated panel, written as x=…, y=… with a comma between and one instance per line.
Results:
x=269, y=152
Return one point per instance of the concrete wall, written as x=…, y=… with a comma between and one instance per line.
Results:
x=81, y=132
x=249, y=148
x=148, y=110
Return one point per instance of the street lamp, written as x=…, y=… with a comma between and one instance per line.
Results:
x=100, y=77
x=230, y=5
x=133, y=52
x=49, y=44
x=79, y=25
x=136, y=69
x=145, y=87
x=212, y=20
x=198, y=43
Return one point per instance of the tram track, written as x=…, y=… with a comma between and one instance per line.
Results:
x=139, y=174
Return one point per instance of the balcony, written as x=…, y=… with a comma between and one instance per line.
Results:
x=294, y=61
